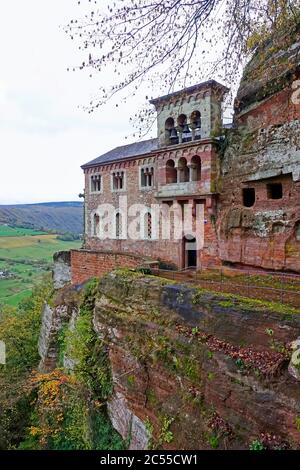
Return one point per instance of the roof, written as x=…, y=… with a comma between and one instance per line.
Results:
x=124, y=152
x=191, y=89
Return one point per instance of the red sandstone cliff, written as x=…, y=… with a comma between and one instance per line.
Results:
x=190, y=369
x=263, y=153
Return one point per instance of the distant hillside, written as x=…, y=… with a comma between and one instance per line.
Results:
x=59, y=216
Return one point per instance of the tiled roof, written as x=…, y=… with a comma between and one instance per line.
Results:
x=124, y=152
x=190, y=90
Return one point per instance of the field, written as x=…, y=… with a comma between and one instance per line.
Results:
x=6, y=231
x=26, y=255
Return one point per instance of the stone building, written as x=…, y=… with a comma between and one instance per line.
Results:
x=246, y=180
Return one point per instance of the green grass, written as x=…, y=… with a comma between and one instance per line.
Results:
x=7, y=231
x=263, y=280
x=27, y=258
x=245, y=303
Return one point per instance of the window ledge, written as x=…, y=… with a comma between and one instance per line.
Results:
x=147, y=188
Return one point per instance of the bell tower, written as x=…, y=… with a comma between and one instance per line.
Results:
x=191, y=114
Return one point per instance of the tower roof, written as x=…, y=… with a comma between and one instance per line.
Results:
x=190, y=90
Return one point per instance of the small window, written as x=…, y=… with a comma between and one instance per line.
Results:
x=95, y=183
x=118, y=225
x=148, y=226
x=248, y=197
x=274, y=190
x=118, y=180
x=96, y=225
x=147, y=177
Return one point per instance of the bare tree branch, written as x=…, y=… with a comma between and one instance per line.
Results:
x=181, y=41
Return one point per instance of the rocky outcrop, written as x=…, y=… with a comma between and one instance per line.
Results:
x=190, y=369
x=263, y=151
x=61, y=269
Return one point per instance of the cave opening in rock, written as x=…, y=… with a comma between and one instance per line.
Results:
x=248, y=197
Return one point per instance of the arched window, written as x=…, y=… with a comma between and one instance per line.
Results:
x=171, y=172
x=185, y=131
x=147, y=177
x=183, y=169
x=171, y=136
x=148, y=226
x=195, y=168
x=96, y=225
x=169, y=124
x=118, y=225
x=196, y=124
x=182, y=120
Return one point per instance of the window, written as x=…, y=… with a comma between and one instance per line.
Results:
x=171, y=136
x=248, y=197
x=96, y=224
x=118, y=225
x=196, y=125
x=184, y=130
x=118, y=180
x=171, y=172
x=148, y=226
x=95, y=183
x=147, y=175
x=274, y=191
x=195, y=168
x=182, y=120
x=183, y=169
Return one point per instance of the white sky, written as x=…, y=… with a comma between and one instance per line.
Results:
x=44, y=135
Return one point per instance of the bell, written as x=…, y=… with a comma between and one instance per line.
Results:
x=186, y=129
x=174, y=136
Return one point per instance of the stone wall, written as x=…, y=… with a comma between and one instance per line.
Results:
x=61, y=269
x=171, y=250
x=87, y=263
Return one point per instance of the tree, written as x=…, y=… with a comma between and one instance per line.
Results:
x=175, y=42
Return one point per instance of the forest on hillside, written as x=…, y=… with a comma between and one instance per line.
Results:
x=56, y=216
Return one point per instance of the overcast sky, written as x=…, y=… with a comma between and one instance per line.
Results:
x=44, y=136
x=44, y=133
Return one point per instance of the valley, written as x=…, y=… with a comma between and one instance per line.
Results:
x=25, y=256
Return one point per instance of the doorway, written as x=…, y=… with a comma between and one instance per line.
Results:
x=190, y=252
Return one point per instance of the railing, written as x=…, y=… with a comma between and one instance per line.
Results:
x=269, y=285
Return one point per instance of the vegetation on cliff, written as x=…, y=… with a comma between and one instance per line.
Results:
x=147, y=349
x=69, y=405
x=19, y=330
x=55, y=410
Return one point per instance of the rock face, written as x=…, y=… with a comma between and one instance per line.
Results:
x=294, y=365
x=190, y=369
x=176, y=356
x=263, y=156
x=62, y=269
x=53, y=319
